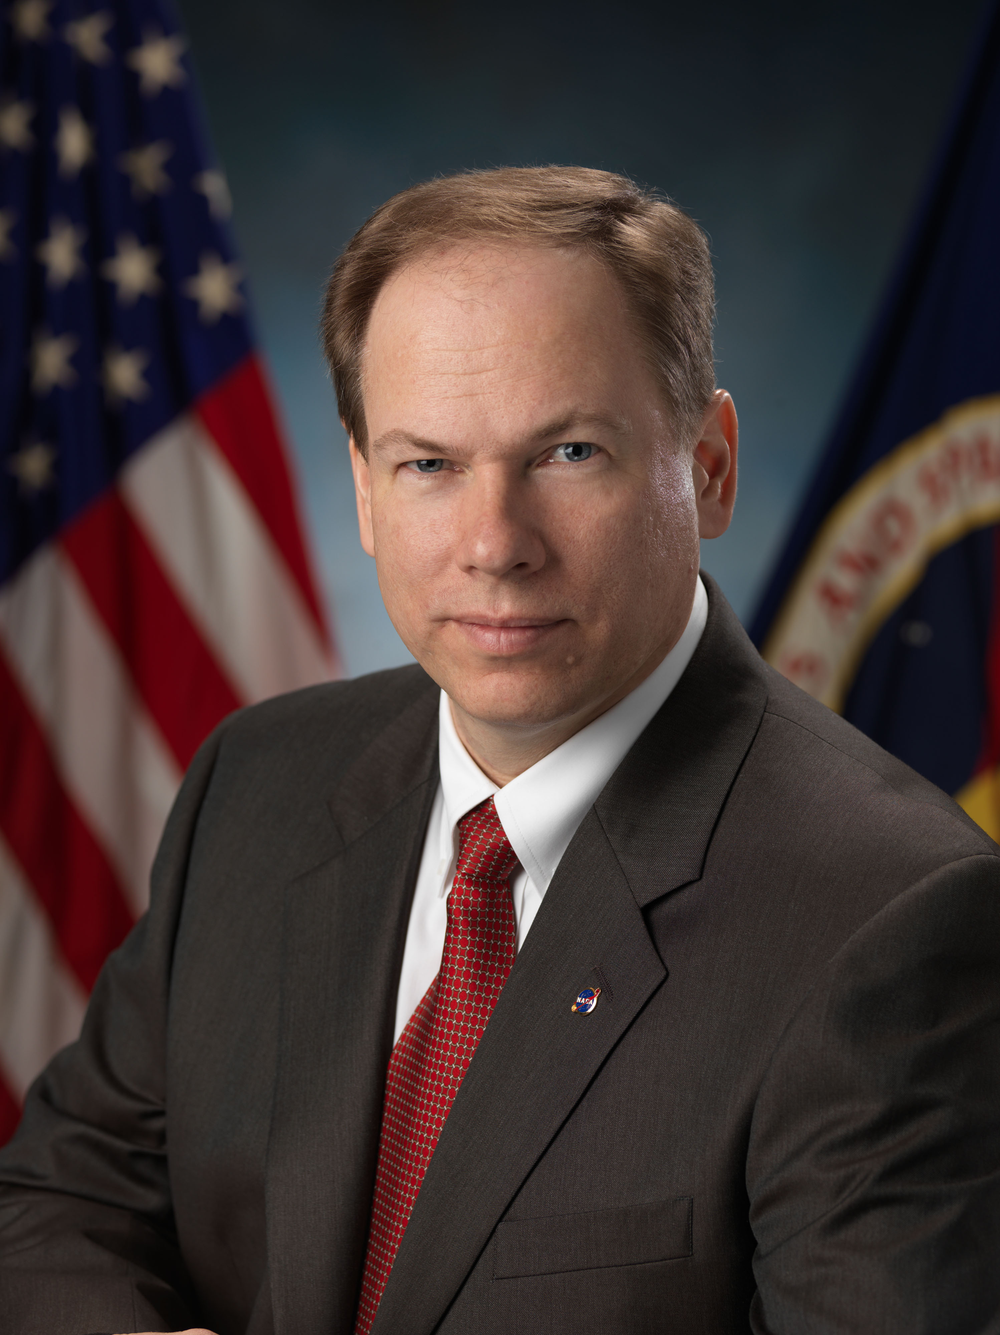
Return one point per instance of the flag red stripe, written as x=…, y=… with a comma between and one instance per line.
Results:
x=180, y=681
x=238, y=414
x=10, y=1113
x=63, y=862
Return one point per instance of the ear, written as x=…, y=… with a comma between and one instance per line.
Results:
x=363, y=496
x=714, y=466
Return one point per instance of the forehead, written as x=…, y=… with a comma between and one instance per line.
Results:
x=500, y=330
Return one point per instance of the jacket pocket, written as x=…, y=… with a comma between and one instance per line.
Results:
x=632, y=1235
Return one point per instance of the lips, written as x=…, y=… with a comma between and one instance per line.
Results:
x=503, y=623
x=506, y=636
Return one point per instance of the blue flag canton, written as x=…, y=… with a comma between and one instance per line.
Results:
x=120, y=294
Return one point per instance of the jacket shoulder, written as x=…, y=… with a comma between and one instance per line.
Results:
x=344, y=715
x=257, y=800
x=378, y=696
x=882, y=795
x=270, y=762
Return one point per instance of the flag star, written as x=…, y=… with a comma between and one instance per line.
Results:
x=7, y=220
x=213, y=185
x=30, y=19
x=15, y=118
x=50, y=368
x=145, y=168
x=32, y=465
x=86, y=37
x=123, y=378
x=60, y=253
x=132, y=269
x=74, y=142
x=213, y=287
x=157, y=63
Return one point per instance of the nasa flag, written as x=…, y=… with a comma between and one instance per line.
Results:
x=885, y=603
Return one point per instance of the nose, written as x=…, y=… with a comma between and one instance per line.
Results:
x=501, y=536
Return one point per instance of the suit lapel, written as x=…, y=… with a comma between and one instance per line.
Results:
x=345, y=924
x=660, y=806
x=646, y=836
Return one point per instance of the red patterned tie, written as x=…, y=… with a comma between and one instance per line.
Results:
x=434, y=1050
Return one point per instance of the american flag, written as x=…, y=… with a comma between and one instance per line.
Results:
x=153, y=574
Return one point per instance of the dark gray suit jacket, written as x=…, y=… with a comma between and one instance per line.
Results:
x=783, y=1116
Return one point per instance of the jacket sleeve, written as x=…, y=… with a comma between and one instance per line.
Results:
x=86, y=1229
x=873, y=1168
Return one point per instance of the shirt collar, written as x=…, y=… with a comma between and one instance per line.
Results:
x=541, y=809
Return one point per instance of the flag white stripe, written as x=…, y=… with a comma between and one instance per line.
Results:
x=41, y=1003
x=212, y=543
x=111, y=757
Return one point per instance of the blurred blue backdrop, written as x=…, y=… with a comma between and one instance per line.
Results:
x=798, y=134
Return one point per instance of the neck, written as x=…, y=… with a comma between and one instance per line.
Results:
x=502, y=753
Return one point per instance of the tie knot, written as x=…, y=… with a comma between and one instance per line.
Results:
x=485, y=856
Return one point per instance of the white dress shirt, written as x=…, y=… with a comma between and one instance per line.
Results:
x=540, y=810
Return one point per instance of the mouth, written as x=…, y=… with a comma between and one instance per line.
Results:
x=506, y=636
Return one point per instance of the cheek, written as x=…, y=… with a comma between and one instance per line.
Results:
x=669, y=522
x=412, y=540
x=636, y=560
x=635, y=534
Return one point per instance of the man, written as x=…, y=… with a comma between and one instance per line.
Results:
x=615, y=985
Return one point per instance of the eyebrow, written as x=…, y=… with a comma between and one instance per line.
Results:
x=569, y=422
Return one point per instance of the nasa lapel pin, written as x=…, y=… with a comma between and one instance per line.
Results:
x=586, y=1001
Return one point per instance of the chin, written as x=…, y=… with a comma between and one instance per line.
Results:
x=505, y=699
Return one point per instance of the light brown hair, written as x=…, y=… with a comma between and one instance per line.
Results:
x=658, y=254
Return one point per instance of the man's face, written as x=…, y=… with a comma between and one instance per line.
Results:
x=533, y=517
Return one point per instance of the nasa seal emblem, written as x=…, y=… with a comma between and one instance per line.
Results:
x=586, y=1001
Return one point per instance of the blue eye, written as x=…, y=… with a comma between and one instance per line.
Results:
x=574, y=452
x=429, y=465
